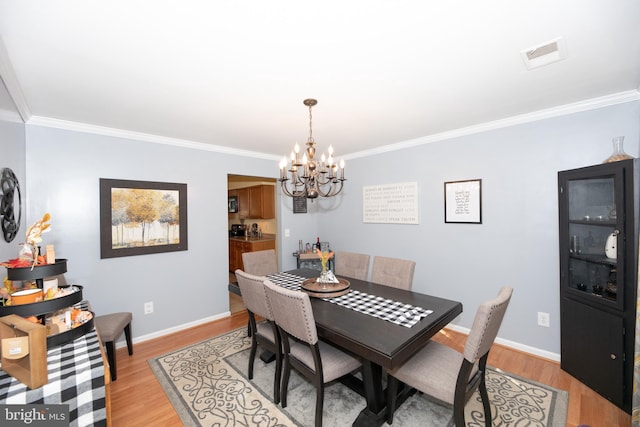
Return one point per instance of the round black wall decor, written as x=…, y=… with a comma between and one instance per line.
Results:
x=10, y=205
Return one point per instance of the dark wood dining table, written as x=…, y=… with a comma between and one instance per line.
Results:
x=379, y=343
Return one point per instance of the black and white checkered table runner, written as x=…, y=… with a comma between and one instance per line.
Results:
x=76, y=378
x=382, y=308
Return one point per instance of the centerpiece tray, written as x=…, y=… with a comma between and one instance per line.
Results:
x=70, y=335
x=46, y=306
x=325, y=290
x=38, y=271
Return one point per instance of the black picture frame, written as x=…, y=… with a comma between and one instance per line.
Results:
x=299, y=204
x=463, y=201
x=153, y=206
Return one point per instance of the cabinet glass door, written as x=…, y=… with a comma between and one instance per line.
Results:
x=592, y=209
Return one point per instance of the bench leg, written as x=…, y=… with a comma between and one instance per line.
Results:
x=127, y=335
x=111, y=356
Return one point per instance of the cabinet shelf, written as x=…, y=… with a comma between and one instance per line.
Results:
x=595, y=222
x=596, y=259
x=589, y=295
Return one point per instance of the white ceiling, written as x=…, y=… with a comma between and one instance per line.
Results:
x=234, y=73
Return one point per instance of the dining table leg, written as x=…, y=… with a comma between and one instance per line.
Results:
x=375, y=413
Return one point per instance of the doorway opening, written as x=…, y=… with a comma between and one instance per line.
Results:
x=252, y=222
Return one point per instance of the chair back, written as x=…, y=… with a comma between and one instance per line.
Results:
x=292, y=312
x=486, y=325
x=394, y=272
x=260, y=263
x=253, y=294
x=354, y=265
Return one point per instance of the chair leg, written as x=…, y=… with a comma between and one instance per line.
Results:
x=392, y=394
x=485, y=402
x=127, y=335
x=276, y=379
x=319, y=403
x=285, y=381
x=111, y=357
x=252, y=355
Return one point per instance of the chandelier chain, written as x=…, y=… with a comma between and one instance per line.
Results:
x=310, y=122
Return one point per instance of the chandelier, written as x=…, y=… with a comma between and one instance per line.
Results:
x=311, y=178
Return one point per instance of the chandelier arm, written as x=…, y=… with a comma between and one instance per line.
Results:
x=334, y=188
x=292, y=192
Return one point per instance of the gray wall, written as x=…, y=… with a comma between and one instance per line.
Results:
x=516, y=245
x=12, y=156
x=64, y=168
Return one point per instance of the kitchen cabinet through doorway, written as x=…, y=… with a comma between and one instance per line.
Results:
x=257, y=202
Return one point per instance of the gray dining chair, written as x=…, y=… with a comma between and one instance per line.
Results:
x=351, y=264
x=394, y=272
x=449, y=376
x=316, y=360
x=263, y=333
x=260, y=263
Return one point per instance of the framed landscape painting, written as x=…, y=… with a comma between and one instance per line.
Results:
x=142, y=217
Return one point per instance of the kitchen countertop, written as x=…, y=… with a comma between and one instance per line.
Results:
x=265, y=237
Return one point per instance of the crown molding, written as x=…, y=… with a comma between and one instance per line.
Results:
x=145, y=137
x=590, y=104
x=8, y=77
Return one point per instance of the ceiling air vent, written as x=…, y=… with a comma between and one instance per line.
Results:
x=544, y=54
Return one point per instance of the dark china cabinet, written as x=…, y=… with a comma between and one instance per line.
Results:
x=598, y=207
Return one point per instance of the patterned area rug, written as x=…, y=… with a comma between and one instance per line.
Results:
x=207, y=385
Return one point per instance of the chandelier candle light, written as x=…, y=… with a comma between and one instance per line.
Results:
x=311, y=178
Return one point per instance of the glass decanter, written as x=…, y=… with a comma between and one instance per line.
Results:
x=618, y=151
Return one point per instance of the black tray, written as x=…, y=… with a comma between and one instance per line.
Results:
x=71, y=334
x=38, y=272
x=44, y=307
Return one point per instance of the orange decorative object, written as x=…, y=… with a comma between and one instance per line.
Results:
x=17, y=263
x=26, y=297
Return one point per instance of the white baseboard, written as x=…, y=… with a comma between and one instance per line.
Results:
x=555, y=357
x=163, y=332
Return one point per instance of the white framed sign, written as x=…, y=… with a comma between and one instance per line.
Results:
x=390, y=203
x=463, y=201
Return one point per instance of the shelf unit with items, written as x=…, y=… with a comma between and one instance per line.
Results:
x=41, y=309
x=598, y=225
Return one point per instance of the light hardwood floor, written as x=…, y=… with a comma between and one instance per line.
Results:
x=138, y=400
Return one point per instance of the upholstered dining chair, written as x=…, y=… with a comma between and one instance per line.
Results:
x=316, y=360
x=260, y=263
x=448, y=375
x=263, y=333
x=354, y=265
x=394, y=272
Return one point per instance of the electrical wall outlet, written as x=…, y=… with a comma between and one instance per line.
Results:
x=148, y=307
x=543, y=319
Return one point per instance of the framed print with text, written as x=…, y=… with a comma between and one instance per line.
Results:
x=463, y=201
